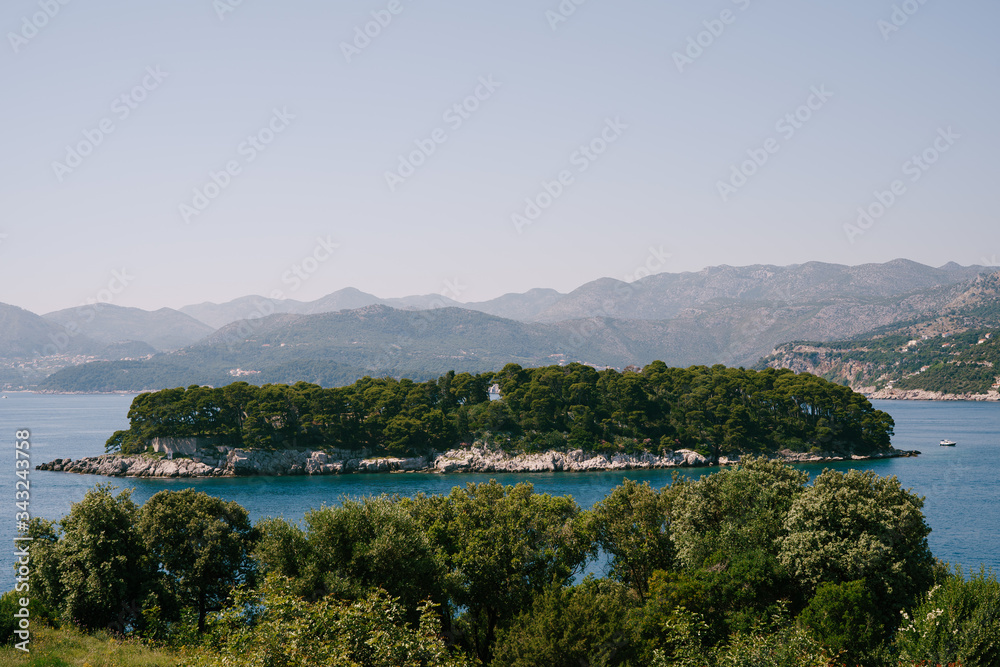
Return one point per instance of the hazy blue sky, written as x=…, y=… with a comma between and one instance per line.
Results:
x=199, y=78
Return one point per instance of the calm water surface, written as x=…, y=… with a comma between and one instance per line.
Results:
x=961, y=484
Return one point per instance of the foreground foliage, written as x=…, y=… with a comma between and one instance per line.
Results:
x=69, y=647
x=750, y=566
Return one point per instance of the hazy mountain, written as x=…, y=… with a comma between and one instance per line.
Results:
x=662, y=296
x=348, y=298
x=670, y=295
x=217, y=315
x=127, y=349
x=524, y=306
x=163, y=329
x=725, y=315
x=423, y=302
x=24, y=334
x=330, y=348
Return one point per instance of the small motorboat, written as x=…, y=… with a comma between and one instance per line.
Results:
x=948, y=443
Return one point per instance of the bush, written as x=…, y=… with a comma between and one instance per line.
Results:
x=10, y=604
x=566, y=627
x=957, y=621
x=855, y=526
x=273, y=626
x=840, y=617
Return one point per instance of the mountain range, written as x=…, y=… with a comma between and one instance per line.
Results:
x=730, y=315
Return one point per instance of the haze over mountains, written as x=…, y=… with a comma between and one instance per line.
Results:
x=661, y=296
x=731, y=315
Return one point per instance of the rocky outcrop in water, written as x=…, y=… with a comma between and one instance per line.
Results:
x=249, y=463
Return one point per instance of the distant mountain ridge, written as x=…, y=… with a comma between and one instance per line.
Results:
x=24, y=334
x=662, y=296
x=729, y=315
x=163, y=329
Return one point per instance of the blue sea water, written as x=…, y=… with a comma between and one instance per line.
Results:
x=961, y=484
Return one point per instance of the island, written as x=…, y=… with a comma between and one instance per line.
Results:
x=552, y=418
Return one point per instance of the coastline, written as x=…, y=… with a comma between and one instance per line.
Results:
x=476, y=459
x=925, y=395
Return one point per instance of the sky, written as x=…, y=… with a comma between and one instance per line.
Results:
x=162, y=154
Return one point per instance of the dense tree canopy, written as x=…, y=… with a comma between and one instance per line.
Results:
x=716, y=410
x=749, y=566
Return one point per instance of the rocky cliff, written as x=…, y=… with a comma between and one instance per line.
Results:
x=478, y=459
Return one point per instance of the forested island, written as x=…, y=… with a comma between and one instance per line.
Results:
x=717, y=412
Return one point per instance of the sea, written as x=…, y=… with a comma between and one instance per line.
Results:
x=960, y=485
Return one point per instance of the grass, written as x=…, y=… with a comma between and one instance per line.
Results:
x=71, y=648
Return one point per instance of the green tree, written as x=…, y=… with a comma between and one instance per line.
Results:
x=274, y=627
x=502, y=547
x=92, y=567
x=201, y=544
x=734, y=511
x=632, y=525
x=570, y=626
x=346, y=551
x=859, y=526
x=842, y=617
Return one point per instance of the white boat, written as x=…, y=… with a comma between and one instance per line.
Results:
x=948, y=443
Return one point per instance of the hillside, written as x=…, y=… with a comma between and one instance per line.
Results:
x=727, y=315
x=665, y=296
x=218, y=315
x=163, y=329
x=24, y=335
x=329, y=349
x=955, y=350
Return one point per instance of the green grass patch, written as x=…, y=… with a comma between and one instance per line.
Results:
x=71, y=648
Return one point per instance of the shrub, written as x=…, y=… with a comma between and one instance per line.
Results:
x=957, y=621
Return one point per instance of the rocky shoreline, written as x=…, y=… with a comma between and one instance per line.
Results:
x=925, y=395
x=248, y=463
